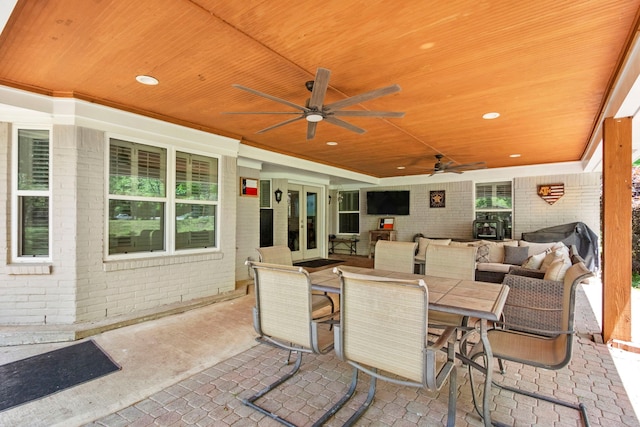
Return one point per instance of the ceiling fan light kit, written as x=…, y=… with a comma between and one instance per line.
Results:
x=316, y=111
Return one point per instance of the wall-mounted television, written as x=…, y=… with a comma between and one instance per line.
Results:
x=388, y=202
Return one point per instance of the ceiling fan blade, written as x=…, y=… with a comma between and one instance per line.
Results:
x=311, y=130
x=344, y=124
x=260, y=112
x=271, y=97
x=357, y=99
x=286, y=122
x=468, y=166
x=391, y=114
x=319, y=91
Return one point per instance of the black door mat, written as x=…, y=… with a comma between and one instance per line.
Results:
x=39, y=376
x=315, y=263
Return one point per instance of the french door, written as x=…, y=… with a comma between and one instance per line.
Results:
x=304, y=228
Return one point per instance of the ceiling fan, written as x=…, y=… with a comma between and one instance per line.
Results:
x=316, y=111
x=440, y=167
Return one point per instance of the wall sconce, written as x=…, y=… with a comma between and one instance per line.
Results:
x=329, y=199
x=278, y=194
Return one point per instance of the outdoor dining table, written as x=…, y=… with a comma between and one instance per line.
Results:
x=478, y=300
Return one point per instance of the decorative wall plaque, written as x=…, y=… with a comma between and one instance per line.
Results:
x=436, y=199
x=249, y=187
x=550, y=193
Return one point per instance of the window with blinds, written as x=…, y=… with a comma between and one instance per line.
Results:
x=137, y=197
x=33, y=197
x=138, y=200
x=265, y=194
x=196, y=201
x=348, y=212
x=494, y=200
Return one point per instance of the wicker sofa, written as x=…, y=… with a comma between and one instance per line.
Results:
x=495, y=259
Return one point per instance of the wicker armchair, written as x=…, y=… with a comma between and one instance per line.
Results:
x=283, y=317
x=383, y=333
x=538, y=328
x=395, y=256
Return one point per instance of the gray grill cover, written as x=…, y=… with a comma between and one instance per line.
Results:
x=575, y=233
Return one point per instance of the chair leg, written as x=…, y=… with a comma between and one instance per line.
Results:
x=453, y=395
x=362, y=409
x=251, y=400
x=335, y=408
x=580, y=407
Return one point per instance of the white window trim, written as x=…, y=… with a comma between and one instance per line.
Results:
x=170, y=200
x=15, y=194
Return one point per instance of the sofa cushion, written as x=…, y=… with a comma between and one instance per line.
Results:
x=557, y=270
x=493, y=266
x=423, y=242
x=515, y=255
x=534, y=261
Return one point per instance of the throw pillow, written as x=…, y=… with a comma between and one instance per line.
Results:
x=496, y=249
x=482, y=254
x=534, y=261
x=550, y=258
x=557, y=270
x=515, y=255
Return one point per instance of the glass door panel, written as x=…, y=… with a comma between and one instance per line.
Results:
x=304, y=228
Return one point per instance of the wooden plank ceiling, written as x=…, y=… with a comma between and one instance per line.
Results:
x=545, y=66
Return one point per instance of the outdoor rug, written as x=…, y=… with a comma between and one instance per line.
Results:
x=315, y=263
x=38, y=376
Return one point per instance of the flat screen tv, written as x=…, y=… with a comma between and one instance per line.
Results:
x=388, y=202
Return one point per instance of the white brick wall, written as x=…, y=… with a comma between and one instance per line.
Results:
x=453, y=220
x=81, y=286
x=580, y=203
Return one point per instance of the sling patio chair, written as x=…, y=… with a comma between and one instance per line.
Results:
x=383, y=333
x=283, y=317
x=453, y=262
x=281, y=255
x=395, y=256
x=524, y=342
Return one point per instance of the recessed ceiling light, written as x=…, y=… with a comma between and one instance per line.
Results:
x=332, y=143
x=400, y=167
x=514, y=155
x=490, y=116
x=147, y=80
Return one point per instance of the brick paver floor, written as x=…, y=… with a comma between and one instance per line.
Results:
x=213, y=396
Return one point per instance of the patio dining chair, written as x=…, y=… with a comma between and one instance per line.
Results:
x=283, y=317
x=395, y=256
x=539, y=348
x=281, y=255
x=383, y=333
x=453, y=262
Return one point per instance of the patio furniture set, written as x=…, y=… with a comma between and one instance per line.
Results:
x=412, y=329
